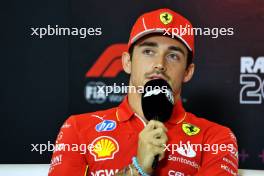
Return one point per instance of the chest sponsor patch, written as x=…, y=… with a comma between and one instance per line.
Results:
x=190, y=129
x=107, y=150
x=186, y=150
x=104, y=172
x=105, y=125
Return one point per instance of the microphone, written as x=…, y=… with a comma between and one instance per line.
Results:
x=157, y=103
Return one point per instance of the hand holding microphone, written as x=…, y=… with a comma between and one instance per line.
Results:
x=157, y=105
x=151, y=140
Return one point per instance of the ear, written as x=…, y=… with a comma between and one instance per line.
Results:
x=189, y=73
x=126, y=62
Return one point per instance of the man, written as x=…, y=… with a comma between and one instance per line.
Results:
x=123, y=142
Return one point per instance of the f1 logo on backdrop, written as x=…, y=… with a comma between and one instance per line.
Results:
x=109, y=64
x=252, y=80
x=105, y=70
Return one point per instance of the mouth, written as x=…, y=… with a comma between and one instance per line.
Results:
x=152, y=77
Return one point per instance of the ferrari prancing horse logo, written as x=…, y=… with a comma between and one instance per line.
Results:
x=190, y=129
x=166, y=18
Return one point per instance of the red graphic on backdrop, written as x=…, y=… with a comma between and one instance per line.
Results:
x=109, y=64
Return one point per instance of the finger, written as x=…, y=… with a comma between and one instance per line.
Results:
x=157, y=133
x=158, y=124
x=153, y=124
x=160, y=142
x=158, y=151
x=150, y=126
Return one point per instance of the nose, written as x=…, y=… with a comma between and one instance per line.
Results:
x=160, y=65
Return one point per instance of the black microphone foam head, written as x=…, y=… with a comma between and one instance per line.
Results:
x=157, y=100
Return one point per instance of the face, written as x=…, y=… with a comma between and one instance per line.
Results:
x=158, y=57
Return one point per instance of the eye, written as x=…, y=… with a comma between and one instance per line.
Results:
x=173, y=57
x=148, y=52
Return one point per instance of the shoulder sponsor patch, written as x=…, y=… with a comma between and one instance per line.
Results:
x=107, y=150
x=190, y=129
x=66, y=125
x=55, y=161
x=59, y=137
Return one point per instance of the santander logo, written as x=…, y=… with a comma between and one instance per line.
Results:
x=186, y=150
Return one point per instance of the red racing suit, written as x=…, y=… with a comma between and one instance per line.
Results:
x=103, y=142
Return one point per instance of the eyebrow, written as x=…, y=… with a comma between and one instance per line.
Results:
x=154, y=44
x=151, y=44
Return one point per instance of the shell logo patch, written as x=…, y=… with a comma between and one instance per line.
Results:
x=190, y=129
x=107, y=150
x=166, y=18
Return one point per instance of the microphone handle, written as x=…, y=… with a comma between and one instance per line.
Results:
x=155, y=162
x=156, y=158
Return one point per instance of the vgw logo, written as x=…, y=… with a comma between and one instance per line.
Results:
x=252, y=80
x=108, y=65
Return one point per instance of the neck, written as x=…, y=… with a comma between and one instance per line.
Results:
x=134, y=100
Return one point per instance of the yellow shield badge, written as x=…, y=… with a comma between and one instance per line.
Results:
x=166, y=18
x=190, y=129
